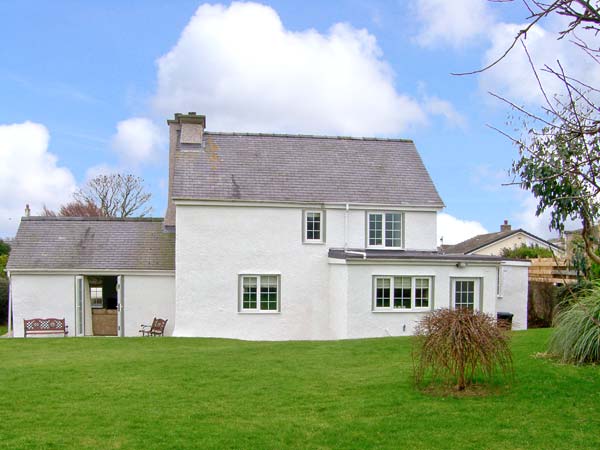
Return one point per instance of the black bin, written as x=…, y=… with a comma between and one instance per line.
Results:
x=505, y=319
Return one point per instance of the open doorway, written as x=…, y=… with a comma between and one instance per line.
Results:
x=102, y=298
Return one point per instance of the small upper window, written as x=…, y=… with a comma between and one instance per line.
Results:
x=313, y=226
x=385, y=230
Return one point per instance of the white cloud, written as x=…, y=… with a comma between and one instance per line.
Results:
x=138, y=140
x=246, y=72
x=29, y=174
x=444, y=108
x=454, y=23
x=455, y=230
x=513, y=77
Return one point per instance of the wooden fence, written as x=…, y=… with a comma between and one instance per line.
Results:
x=551, y=270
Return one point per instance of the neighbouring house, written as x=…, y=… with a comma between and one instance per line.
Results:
x=493, y=243
x=266, y=237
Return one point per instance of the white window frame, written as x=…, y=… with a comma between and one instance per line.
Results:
x=258, y=309
x=92, y=298
x=305, y=238
x=477, y=292
x=383, y=229
x=413, y=282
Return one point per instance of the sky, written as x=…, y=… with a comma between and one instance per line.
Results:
x=86, y=88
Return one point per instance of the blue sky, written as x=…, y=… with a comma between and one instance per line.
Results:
x=86, y=87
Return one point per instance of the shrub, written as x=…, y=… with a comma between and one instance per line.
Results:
x=527, y=252
x=459, y=345
x=576, y=338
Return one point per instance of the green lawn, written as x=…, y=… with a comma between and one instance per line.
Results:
x=212, y=393
x=3, y=329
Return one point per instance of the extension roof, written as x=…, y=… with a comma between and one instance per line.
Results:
x=62, y=243
x=483, y=240
x=302, y=168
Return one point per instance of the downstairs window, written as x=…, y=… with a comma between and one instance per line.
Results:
x=402, y=293
x=259, y=293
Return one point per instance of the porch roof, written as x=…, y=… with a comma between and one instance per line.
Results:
x=59, y=243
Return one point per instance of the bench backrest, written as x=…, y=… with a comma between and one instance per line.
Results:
x=158, y=325
x=49, y=325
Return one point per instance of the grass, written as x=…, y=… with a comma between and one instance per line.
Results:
x=214, y=393
x=3, y=329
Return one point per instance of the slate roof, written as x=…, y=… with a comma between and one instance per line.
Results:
x=483, y=240
x=92, y=243
x=340, y=253
x=298, y=168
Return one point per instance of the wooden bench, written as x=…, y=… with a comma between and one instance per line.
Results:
x=51, y=325
x=156, y=329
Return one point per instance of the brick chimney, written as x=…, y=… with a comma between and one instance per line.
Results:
x=184, y=130
x=505, y=226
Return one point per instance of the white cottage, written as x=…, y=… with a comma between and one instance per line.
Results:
x=266, y=237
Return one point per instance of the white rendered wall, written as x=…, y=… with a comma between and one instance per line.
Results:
x=217, y=244
x=42, y=296
x=364, y=322
x=514, y=287
x=146, y=297
x=419, y=227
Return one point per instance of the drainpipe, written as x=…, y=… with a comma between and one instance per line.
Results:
x=10, y=324
x=346, y=227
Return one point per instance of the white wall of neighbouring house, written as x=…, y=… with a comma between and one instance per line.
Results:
x=42, y=296
x=146, y=297
x=363, y=321
x=513, y=292
x=513, y=241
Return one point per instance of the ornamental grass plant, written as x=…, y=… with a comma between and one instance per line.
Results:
x=460, y=347
x=576, y=337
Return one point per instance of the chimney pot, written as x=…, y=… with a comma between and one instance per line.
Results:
x=27, y=211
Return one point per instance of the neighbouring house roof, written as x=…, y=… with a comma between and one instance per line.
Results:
x=297, y=168
x=483, y=240
x=58, y=243
x=356, y=254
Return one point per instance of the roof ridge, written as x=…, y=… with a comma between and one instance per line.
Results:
x=308, y=136
x=92, y=219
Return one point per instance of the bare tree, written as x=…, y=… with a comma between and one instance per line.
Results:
x=75, y=209
x=116, y=195
x=559, y=150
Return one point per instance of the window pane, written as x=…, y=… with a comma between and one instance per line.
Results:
x=249, y=294
x=402, y=292
x=268, y=293
x=422, y=293
x=464, y=295
x=392, y=230
x=375, y=229
x=313, y=226
x=382, y=293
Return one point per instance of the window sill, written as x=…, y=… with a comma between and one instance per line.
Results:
x=401, y=311
x=259, y=312
x=313, y=242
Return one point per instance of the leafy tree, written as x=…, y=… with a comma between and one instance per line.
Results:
x=559, y=152
x=4, y=247
x=527, y=252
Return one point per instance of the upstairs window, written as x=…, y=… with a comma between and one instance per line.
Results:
x=313, y=227
x=402, y=293
x=385, y=230
x=259, y=293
